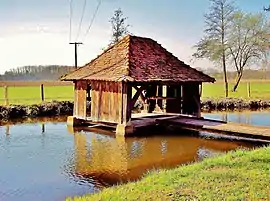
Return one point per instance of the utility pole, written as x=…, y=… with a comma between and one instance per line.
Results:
x=76, y=59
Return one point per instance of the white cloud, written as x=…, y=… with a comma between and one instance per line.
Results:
x=43, y=45
x=37, y=47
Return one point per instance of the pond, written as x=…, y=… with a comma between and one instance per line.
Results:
x=46, y=160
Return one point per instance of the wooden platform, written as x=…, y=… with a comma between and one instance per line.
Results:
x=141, y=120
x=228, y=128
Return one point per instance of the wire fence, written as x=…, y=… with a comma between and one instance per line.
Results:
x=26, y=93
x=35, y=93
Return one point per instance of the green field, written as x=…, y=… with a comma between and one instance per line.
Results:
x=240, y=175
x=258, y=90
x=31, y=94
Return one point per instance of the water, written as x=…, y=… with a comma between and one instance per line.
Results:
x=49, y=161
x=259, y=118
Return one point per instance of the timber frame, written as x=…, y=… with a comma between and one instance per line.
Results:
x=112, y=102
x=135, y=68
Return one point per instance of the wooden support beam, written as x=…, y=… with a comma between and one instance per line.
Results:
x=157, y=106
x=141, y=95
x=198, y=103
x=136, y=96
x=200, y=90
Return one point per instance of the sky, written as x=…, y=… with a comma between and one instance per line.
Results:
x=37, y=32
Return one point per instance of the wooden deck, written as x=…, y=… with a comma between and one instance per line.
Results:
x=228, y=128
x=141, y=120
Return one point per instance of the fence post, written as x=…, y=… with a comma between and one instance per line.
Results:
x=42, y=92
x=248, y=89
x=6, y=95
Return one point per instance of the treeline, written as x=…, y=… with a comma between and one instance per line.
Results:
x=32, y=73
x=54, y=72
x=247, y=75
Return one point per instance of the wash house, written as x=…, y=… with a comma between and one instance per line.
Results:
x=134, y=68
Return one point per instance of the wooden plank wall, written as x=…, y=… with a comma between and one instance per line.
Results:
x=109, y=101
x=80, y=99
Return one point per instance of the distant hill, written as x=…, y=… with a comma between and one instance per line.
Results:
x=35, y=73
x=54, y=72
x=247, y=75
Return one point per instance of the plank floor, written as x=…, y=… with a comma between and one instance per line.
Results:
x=223, y=127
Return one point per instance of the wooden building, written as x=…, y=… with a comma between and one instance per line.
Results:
x=134, y=68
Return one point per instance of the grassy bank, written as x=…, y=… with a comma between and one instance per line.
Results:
x=240, y=175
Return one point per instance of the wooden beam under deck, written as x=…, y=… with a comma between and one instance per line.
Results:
x=187, y=122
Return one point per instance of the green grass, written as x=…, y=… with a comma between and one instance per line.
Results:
x=240, y=175
x=258, y=89
x=32, y=94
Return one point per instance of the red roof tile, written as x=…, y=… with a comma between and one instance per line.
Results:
x=140, y=60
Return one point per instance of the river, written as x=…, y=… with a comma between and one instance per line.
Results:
x=45, y=160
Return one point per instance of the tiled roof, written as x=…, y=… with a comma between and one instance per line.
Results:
x=140, y=60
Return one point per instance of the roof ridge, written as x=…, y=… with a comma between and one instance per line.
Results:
x=106, y=50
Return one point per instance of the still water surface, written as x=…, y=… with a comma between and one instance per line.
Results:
x=47, y=161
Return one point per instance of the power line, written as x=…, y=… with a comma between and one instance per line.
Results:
x=70, y=19
x=92, y=20
x=80, y=25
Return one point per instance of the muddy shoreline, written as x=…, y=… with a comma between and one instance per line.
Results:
x=56, y=108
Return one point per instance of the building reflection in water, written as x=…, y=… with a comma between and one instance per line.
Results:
x=109, y=160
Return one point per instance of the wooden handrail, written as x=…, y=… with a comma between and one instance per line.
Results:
x=161, y=98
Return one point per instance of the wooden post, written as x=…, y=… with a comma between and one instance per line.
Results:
x=248, y=89
x=6, y=95
x=42, y=92
x=200, y=90
x=158, y=106
x=164, y=94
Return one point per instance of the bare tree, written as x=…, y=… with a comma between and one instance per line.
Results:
x=213, y=45
x=248, y=42
x=266, y=9
x=119, y=26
